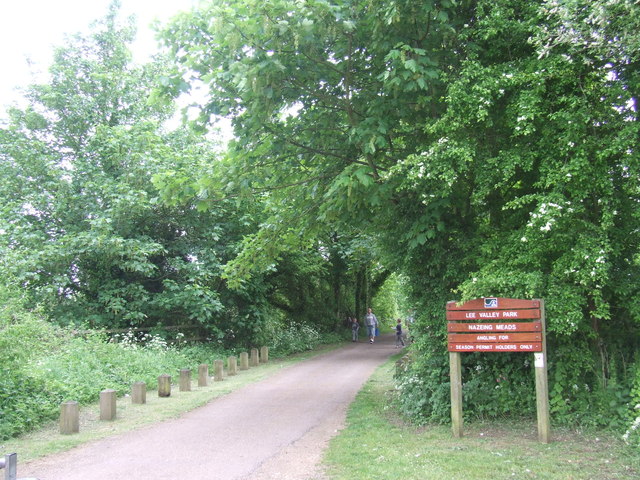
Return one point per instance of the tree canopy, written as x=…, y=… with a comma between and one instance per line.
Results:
x=488, y=147
x=83, y=228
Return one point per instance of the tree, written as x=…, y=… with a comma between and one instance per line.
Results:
x=485, y=152
x=83, y=229
x=322, y=97
x=535, y=153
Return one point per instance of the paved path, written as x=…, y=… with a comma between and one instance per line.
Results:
x=275, y=429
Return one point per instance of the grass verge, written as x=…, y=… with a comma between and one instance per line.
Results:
x=47, y=440
x=376, y=444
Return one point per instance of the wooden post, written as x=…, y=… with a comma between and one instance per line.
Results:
x=108, y=404
x=455, y=367
x=69, y=418
x=218, y=370
x=255, y=360
x=244, y=361
x=542, y=385
x=232, y=366
x=10, y=465
x=164, y=385
x=185, y=380
x=203, y=375
x=139, y=393
x=264, y=355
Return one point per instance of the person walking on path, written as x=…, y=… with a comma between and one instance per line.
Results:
x=371, y=322
x=355, y=329
x=399, y=339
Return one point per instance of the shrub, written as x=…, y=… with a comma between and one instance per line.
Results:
x=48, y=365
x=422, y=390
x=24, y=403
x=295, y=338
x=496, y=386
x=632, y=433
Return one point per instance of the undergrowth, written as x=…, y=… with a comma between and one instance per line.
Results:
x=43, y=365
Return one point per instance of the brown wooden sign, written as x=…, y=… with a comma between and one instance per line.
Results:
x=498, y=325
x=478, y=336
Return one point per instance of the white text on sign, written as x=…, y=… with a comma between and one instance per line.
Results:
x=491, y=326
x=491, y=315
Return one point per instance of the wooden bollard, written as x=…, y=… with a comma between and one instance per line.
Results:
x=203, y=375
x=232, y=366
x=218, y=370
x=264, y=354
x=164, y=385
x=139, y=393
x=10, y=465
x=244, y=361
x=69, y=418
x=108, y=404
x=255, y=360
x=185, y=380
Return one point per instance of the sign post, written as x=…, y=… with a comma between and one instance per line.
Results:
x=498, y=325
x=542, y=385
x=455, y=366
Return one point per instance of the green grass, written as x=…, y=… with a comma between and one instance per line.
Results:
x=47, y=440
x=377, y=444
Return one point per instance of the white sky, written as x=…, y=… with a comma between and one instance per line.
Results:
x=30, y=29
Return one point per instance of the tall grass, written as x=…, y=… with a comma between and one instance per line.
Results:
x=42, y=365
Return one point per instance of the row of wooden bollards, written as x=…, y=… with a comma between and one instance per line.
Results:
x=70, y=411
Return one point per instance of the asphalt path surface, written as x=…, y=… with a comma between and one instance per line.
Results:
x=275, y=429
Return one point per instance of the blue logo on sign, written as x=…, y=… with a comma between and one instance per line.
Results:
x=490, y=303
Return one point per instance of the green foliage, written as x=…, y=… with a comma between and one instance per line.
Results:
x=326, y=135
x=42, y=365
x=423, y=391
x=82, y=229
x=527, y=187
x=390, y=300
x=579, y=395
x=64, y=365
x=24, y=404
x=294, y=338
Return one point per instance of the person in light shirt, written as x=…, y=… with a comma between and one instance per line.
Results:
x=371, y=322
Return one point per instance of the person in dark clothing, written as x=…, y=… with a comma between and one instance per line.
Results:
x=355, y=328
x=399, y=338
